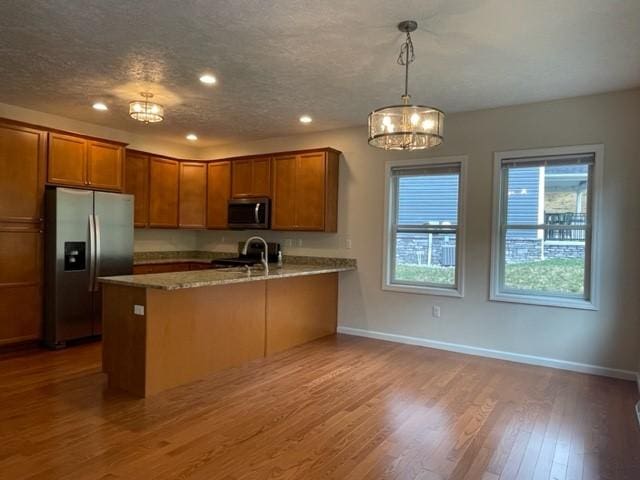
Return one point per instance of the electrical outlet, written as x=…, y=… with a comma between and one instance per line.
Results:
x=436, y=311
x=299, y=242
x=288, y=242
x=138, y=309
x=348, y=243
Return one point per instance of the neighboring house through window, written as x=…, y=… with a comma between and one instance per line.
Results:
x=544, y=232
x=424, y=226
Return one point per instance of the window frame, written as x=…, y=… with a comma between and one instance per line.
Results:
x=592, y=259
x=388, y=232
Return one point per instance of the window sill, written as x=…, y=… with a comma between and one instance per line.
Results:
x=541, y=300
x=438, y=291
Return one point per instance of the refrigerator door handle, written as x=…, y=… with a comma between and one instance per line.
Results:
x=92, y=252
x=97, y=258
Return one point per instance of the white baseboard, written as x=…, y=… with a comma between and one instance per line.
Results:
x=498, y=354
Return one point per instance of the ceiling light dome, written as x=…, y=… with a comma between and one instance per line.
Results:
x=406, y=126
x=146, y=111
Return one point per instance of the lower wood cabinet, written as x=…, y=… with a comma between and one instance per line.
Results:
x=169, y=267
x=20, y=282
x=192, y=211
x=164, y=178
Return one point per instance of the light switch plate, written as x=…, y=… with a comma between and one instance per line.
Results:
x=138, y=309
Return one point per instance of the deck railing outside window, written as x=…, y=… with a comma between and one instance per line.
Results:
x=567, y=218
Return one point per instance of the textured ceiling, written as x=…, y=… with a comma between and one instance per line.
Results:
x=333, y=59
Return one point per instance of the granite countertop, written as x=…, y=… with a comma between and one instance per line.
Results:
x=207, y=278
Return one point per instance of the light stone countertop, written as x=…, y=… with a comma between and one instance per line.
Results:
x=207, y=278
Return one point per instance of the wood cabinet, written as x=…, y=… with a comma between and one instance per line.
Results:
x=251, y=177
x=164, y=177
x=218, y=193
x=23, y=153
x=22, y=172
x=305, y=191
x=170, y=267
x=78, y=162
x=193, y=195
x=104, y=166
x=20, y=282
x=136, y=183
x=187, y=194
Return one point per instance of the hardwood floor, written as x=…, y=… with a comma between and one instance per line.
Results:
x=341, y=407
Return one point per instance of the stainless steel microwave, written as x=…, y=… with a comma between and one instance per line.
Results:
x=249, y=213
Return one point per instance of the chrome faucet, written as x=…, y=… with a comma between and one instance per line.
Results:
x=263, y=258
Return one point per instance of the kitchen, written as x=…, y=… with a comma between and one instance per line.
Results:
x=220, y=257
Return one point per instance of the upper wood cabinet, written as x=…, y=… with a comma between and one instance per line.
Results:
x=193, y=195
x=251, y=177
x=104, y=165
x=22, y=171
x=305, y=191
x=164, y=177
x=67, y=160
x=79, y=162
x=136, y=183
x=218, y=193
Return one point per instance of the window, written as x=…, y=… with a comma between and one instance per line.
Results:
x=424, y=235
x=544, y=231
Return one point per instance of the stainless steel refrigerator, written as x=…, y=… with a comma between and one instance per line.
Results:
x=87, y=235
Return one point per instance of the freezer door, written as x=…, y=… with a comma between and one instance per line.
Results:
x=68, y=261
x=113, y=213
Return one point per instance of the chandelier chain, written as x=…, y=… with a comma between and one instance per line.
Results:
x=407, y=56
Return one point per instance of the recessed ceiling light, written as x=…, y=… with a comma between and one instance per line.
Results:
x=192, y=136
x=100, y=106
x=305, y=119
x=208, y=79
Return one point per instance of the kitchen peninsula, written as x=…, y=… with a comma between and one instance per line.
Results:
x=167, y=329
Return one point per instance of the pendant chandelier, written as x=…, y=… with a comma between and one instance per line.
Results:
x=406, y=126
x=146, y=111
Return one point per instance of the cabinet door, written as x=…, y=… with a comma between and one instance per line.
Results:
x=67, y=160
x=241, y=178
x=193, y=194
x=310, y=191
x=218, y=193
x=136, y=183
x=163, y=192
x=20, y=282
x=104, y=166
x=22, y=163
x=283, y=216
x=261, y=177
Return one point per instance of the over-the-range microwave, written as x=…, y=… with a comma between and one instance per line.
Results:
x=249, y=213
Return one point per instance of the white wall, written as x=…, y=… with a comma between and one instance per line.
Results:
x=608, y=337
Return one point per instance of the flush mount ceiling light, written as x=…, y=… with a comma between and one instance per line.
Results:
x=146, y=111
x=406, y=126
x=192, y=137
x=208, y=79
x=305, y=119
x=100, y=106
